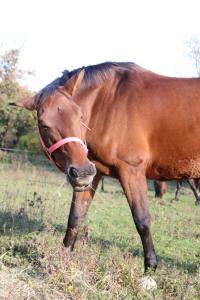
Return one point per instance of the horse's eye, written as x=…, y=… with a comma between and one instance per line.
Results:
x=45, y=127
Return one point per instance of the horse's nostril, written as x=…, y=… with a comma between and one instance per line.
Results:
x=92, y=169
x=73, y=172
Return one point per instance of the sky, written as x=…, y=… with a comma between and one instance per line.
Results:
x=54, y=35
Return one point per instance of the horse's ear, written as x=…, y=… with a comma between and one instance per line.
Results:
x=74, y=82
x=28, y=103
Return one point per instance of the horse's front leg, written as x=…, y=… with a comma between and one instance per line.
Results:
x=134, y=184
x=79, y=207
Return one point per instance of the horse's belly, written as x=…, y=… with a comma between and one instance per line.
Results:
x=180, y=168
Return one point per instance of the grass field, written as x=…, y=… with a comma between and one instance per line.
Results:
x=107, y=262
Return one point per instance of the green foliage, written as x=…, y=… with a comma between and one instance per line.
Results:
x=29, y=141
x=17, y=126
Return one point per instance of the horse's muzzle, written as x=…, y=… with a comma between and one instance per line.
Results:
x=81, y=177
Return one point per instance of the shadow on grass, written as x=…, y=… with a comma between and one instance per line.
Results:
x=18, y=223
x=190, y=267
x=169, y=262
x=105, y=245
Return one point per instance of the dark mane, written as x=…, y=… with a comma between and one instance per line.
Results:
x=93, y=74
x=102, y=71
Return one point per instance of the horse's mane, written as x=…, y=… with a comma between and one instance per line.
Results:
x=93, y=75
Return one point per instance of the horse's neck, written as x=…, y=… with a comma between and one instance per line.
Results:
x=93, y=101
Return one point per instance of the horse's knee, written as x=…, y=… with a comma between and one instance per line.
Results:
x=142, y=223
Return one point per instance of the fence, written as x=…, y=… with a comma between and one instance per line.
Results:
x=9, y=157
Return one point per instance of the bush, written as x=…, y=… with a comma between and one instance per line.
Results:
x=29, y=141
x=17, y=126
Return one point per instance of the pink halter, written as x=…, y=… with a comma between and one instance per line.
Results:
x=60, y=143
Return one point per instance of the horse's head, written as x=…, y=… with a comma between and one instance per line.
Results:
x=61, y=131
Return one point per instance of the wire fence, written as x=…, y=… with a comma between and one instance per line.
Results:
x=18, y=150
x=38, y=159
x=9, y=156
x=22, y=159
x=12, y=160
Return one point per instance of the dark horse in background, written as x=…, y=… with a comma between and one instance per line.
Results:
x=137, y=125
x=160, y=188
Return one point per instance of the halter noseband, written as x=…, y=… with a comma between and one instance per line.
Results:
x=60, y=143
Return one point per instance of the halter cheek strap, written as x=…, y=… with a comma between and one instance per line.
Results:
x=60, y=143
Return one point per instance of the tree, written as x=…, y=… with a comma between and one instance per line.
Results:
x=193, y=45
x=17, y=127
x=9, y=66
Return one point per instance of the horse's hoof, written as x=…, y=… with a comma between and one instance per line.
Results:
x=150, y=266
x=67, y=247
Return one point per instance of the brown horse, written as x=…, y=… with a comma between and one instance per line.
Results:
x=137, y=125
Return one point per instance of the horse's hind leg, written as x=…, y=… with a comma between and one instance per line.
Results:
x=79, y=207
x=178, y=190
x=160, y=188
x=192, y=185
x=135, y=187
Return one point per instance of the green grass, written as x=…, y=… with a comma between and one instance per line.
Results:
x=108, y=261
